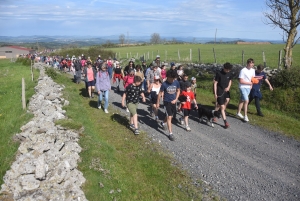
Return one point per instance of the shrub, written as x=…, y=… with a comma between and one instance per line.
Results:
x=51, y=72
x=287, y=79
x=24, y=61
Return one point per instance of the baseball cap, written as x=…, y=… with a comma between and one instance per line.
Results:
x=157, y=56
x=193, y=78
x=172, y=64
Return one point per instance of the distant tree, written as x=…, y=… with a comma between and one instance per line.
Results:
x=285, y=14
x=174, y=40
x=122, y=39
x=155, y=38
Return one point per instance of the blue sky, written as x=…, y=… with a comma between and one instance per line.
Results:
x=195, y=18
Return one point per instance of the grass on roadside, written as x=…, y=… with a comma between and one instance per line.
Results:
x=119, y=165
x=12, y=115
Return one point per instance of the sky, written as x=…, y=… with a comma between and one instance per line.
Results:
x=168, y=18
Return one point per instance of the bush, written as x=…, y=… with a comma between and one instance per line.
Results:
x=24, y=61
x=286, y=79
x=51, y=72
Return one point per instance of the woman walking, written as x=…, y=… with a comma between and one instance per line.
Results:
x=103, y=86
x=89, y=75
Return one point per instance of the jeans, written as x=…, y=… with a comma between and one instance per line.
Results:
x=110, y=72
x=105, y=93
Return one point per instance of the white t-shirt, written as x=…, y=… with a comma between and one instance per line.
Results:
x=246, y=74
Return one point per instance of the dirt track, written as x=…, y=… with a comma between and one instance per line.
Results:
x=243, y=162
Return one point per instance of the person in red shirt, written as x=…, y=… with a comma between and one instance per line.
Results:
x=186, y=98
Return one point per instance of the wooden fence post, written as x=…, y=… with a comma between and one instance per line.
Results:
x=243, y=57
x=23, y=94
x=190, y=54
x=127, y=55
x=178, y=55
x=279, y=60
x=199, y=58
x=264, y=59
x=166, y=55
x=215, y=55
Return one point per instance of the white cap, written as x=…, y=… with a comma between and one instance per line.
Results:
x=157, y=56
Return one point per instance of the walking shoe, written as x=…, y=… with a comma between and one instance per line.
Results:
x=105, y=110
x=127, y=110
x=164, y=126
x=136, y=132
x=181, y=121
x=226, y=125
x=99, y=107
x=214, y=119
x=240, y=115
x=171, y=137
x=131, y=126
x=246, y=118
x=188, y=128
x=260, y=114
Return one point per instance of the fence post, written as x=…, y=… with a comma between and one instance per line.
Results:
x=31, y=71
x=166, y=55
x=215, y=55
x=152, y=55
x=130, y=55
x=23, y=94
x=243, y=57
x=191, y=55
x=279, y=60
x=178, y=55
x=264, y=59
x=127, y=55
x=199, y=55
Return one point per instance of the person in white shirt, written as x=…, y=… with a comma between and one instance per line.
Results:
x=245, y=84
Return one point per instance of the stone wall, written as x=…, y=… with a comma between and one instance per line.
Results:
x=46, y=161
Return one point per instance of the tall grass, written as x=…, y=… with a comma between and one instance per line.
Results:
x=12, y=115
x=224, y=53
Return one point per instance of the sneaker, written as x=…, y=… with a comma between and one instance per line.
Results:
x=105, y=110
x=99, y=107
x=215, y=119
x=164, y=126
x=226, y=125
x=131, y=126
x=136, y=132
x=127, y=110
x=188, y=128
x=246, y=119
x=181, y=121
x=171, y=137
x=240, y=115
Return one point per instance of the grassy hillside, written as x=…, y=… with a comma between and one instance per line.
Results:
x=224, y=53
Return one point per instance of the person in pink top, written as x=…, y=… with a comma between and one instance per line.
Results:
x=163, y=73
x=89, y=75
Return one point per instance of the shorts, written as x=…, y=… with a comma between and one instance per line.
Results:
x=222, y=99
x=186, y=112
x=170, y=109
x=153, y=97
x=132, y=107
x=90, y=83
x=244, y=94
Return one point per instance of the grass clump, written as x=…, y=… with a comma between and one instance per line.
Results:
x=69, y=124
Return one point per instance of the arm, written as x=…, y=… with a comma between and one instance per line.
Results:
x=242, y=81
x=229, y=85
x=149, y=89
x=270, y=86
x=143, y=96
x=177, y=95
x=215, y=89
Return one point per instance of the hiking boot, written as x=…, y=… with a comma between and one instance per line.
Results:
x=164, y=126
x=105, y=110
x=215, y=119
x=226, y=125
x=136, y=132
x=181, y=121
x=131, y=126
x=240, y=115
x=188, y=128
x=260, y=114
x=171, y=137
x=246, y=118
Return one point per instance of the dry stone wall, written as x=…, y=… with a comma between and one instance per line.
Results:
x=46, y=162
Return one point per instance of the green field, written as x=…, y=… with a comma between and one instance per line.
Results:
x=224, y=53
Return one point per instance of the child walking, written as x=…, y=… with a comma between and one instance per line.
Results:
x=154, y=91
x=131, y=95
x=186, y=98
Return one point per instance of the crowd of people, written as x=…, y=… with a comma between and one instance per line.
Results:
x=172, y=87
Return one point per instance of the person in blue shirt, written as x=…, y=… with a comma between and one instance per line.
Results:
x=169, y=90
x=255, y=92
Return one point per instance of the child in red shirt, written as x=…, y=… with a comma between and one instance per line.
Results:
x=186, y=97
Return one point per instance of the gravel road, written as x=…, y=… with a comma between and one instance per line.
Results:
x=243, y=162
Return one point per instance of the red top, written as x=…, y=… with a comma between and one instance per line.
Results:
x=189, y=98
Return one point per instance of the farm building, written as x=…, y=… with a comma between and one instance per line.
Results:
x=8, y=52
